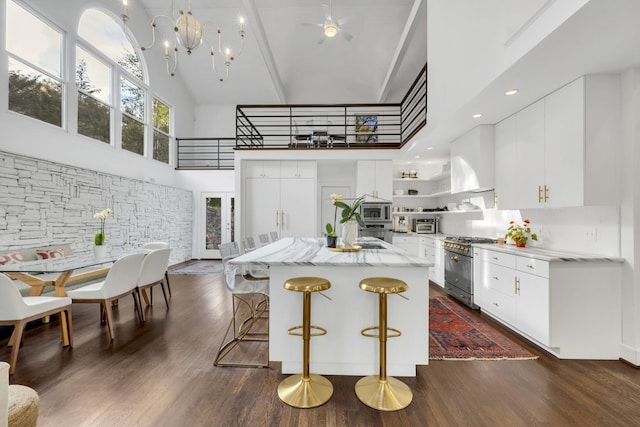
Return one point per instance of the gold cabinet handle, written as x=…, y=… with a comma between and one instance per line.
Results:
x=517, y=286
x=546, y=194
x=539, y=194
x=454, y=258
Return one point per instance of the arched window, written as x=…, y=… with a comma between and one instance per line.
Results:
x=111, y=81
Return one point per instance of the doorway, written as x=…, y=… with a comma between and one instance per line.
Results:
x=217, y=225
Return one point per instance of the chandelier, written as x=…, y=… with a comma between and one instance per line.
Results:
x=190, y=34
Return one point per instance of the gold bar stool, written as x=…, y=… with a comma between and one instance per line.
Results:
x=379, y=391
x=306, y=390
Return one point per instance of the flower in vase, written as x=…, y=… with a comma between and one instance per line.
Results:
x=102, y=216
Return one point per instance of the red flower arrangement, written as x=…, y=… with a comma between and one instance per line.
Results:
x=520, y=233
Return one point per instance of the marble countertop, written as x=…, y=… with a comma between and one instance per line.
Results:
x=313, y=251
x=548, y=254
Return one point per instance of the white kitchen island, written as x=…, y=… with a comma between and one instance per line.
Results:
x=343, y=350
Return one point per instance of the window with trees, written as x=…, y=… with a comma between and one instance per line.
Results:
x=34, y=48
x=160, y=122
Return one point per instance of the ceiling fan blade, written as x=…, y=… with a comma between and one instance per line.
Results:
x=327, y=12
x=307, y=24
x=347, y=36
x=342, y=21
x=322, y=40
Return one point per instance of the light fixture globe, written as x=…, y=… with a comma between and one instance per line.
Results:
x=188, y=32
x=330, y=29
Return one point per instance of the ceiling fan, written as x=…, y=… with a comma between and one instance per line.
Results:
x=331, y=27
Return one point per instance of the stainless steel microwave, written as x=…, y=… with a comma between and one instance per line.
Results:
x=372, y=212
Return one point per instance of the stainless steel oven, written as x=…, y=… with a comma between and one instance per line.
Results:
x=458, y=268
x=426, y=226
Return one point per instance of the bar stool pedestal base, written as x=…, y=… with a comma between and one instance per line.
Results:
x=299, y=392
x=385, y=395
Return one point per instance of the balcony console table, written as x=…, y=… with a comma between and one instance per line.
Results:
x=343, y=350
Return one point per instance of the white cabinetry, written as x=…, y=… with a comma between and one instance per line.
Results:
x=567, y=148
x=375, y=178
x=472, y=160
x=553, y=302
x=431, y=249
x=408, y=243
x=279, y=196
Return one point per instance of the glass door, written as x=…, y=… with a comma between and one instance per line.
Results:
x=217, y=223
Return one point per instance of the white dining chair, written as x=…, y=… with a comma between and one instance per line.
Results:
x=273, y=235
x=243, y=294
x=160, y=245
x=121, y=280
x=152, y=273
x=264, y=239
x=17, y=311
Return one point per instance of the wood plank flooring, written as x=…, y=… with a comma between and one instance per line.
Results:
x=161, y=374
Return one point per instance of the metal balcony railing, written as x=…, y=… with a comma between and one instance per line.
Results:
x=205, y=153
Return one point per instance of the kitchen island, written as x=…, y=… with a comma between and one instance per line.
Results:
x=343, y=350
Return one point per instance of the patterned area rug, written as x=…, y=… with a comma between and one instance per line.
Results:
x=199, y=267
x=456, y=335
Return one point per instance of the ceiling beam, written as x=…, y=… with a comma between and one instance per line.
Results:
x=254, y=19
x=400, y=51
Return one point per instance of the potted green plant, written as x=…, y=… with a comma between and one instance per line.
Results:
x=520, y=233
x=349, y=218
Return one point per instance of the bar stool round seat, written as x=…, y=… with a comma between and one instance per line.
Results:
x=306, y=390
x=380, y=391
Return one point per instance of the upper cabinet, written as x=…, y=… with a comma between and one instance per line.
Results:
x=374, y=178
x=566, y=148
x=472, y=160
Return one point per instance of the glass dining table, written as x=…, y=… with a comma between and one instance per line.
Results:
x=59, y=271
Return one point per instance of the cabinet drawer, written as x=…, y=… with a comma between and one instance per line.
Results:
x=500, y=305
x=533, y=266
x=427, y=241
x=500, y=279
x=404, y=240
x=498, y=258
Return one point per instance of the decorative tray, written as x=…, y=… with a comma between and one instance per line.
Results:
x=341, y=248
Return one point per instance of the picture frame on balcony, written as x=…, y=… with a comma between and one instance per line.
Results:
x=366, y=127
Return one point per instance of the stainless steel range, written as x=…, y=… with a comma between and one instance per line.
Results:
x=458, y=267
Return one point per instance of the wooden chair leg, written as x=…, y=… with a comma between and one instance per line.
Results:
x=137, y=301
x=64, y=328
x=18, y=330
x=143, y=292
x=166, y=278
x=107, y=317
x=69, y=327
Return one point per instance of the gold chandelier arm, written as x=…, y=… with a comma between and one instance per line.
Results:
x=213, y=64
x=167, y=58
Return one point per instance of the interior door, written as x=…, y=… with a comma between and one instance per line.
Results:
x=217, y=223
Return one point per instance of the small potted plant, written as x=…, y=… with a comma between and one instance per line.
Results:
x=331, y=235
x=520, y=233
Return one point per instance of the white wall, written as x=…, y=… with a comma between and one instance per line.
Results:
x=215, y=121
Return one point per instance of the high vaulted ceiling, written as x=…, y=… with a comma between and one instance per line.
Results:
x=283, y=62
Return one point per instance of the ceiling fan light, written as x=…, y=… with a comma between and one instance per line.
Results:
x=330, y=29
x=188, y=32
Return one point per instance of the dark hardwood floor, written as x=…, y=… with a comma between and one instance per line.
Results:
x=161, y=374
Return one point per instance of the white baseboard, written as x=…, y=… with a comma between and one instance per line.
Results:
x=630, y=354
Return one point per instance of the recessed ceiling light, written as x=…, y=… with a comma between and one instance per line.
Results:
x=511, y=92
x=417, y=157
x=429, y=148
x=477, y=116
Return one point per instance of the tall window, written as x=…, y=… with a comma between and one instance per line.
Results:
x=36, y=86
x=160, y=121
x=93, y=80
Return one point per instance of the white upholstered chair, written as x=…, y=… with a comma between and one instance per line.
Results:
x=121, y=280
x=160, y=245
x=264, y=239
x=152, y=273
x=17, y=311
x=253, y=296
x=273, y=235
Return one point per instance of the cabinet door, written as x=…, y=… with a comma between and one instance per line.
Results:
x=506, y=164
x=298, y=207
x=365, y=177
x=564, y=145
x=374, y=177
x=532, y=308
x=261, y=206
x=384, y=179
x=261, y=169
x=530, y=156
x=297, y=169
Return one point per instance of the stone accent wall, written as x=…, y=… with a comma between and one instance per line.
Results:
x=44, y=203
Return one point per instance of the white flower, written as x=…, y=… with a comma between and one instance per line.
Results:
x=336, y=197
x=102, y=215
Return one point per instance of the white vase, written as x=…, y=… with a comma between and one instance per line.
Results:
x=100, y=251
x=349, y=233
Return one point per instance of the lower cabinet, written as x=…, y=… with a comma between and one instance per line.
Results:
x=407, y=242
x=570, y=308
x=431, y=249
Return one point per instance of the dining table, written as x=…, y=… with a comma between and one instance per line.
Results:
x=58, y=272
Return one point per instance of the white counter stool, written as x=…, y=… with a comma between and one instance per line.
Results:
x=306, y=390
x=379, y=391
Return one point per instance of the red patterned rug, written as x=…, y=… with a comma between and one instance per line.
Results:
x=456, y=335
